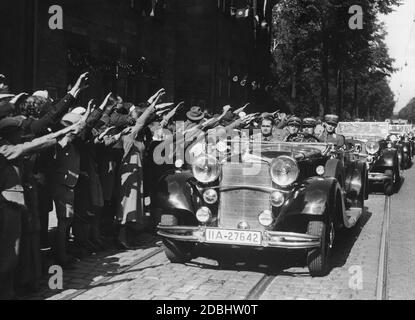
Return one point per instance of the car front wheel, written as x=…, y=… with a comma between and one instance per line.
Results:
x=177, y=251
x=318, y=261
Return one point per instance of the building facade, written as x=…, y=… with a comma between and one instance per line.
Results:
x=205, y=52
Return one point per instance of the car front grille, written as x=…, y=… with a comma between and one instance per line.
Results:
x=242, y=203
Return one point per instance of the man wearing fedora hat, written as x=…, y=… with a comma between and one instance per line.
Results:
x=329, y=134
x=194, y=116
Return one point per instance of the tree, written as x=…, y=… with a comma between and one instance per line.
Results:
x=321, y=64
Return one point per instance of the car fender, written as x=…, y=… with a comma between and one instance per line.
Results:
x=312, y=197
x=355, y=182
x=175, y=192
x=388, y=158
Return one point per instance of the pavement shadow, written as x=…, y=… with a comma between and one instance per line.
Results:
x=270, y=262
x=87, y=273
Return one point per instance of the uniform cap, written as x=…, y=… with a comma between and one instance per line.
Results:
x=332, y=119
x=309, y=122
x=294, y=121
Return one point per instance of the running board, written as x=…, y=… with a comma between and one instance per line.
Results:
x=352, y=216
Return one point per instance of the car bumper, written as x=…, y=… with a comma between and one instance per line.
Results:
x=270, y=239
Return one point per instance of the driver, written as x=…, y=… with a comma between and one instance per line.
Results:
x=309, y=125
x=329, y=135
x=294, y=126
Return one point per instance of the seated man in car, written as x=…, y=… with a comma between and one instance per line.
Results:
x=294, y=126
x=329, y=135
x=267, y=128
x=309, y=125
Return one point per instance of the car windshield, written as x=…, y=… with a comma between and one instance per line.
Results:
x=273, y=149
x=399, y=128
x=364, y=130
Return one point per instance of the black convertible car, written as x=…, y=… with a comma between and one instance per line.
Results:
x=369, y=141
x=399, y=138
x=269, y=196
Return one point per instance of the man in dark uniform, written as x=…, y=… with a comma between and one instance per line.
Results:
x=329, y=135
x=309, y=125
x=294, y=126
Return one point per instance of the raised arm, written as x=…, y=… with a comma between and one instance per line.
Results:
x=56, y=112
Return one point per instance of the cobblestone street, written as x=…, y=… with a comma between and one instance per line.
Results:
x=401, y=282
x=146, y=273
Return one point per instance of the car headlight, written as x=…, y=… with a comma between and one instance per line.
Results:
x=206, y=169
x=284, y=171
x=265, y=218
x=210, y=196
x=372, y=147
x=204, y=215
x=277, y=199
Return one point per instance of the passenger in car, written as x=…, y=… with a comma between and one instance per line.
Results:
x=294, y=126
x=329, y=135
x=309, y=125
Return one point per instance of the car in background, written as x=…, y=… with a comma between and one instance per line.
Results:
x=399, y=136
x=370, y=141
x=271, y=196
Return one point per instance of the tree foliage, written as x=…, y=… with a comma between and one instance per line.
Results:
x=322, y=65
x=408, y=112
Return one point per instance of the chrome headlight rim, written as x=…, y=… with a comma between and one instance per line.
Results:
x=215, y=163
x=266, y=218
x=370, y=150
x=204, y=215
x=210, y=196
x=293, y=179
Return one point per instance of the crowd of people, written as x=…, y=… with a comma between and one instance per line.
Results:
x=87, y=164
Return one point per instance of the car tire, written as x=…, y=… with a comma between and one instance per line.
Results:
x=318, y=259
x=178, y=252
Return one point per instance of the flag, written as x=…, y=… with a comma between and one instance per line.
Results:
x=242, y=13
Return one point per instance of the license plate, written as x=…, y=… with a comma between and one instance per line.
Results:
x=242, y=237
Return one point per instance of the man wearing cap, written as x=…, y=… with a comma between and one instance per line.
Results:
x=75, y=184
x=309, y=125
x=329, y=135
x=294, y=126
